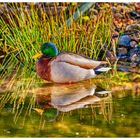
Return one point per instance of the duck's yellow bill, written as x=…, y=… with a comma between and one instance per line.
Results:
x=36, y=55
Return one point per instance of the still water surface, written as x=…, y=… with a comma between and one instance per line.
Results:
x=76, y=110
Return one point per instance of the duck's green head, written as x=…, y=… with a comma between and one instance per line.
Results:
x=49, y=49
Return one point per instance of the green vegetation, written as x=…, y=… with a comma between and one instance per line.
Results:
x=22, y=31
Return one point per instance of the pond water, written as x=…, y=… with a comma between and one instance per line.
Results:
x=74, y=110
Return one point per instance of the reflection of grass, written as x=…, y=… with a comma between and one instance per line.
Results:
x=101, y=109
x=16, y=92
x=18, y=104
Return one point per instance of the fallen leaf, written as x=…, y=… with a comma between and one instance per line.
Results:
x=39, y=111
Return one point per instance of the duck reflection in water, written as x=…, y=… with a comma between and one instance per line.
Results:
x=67, y=97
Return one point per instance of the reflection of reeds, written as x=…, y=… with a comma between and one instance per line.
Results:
x=94, y=111
x=106, y=109
x=17, y=96
x=103, y=107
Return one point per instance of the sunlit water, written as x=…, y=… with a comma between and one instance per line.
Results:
x=75, y=110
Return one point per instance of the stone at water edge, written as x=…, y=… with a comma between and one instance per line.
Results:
x=135, y=54
x=124, y=40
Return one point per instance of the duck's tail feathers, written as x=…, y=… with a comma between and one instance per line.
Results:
x=100, y=69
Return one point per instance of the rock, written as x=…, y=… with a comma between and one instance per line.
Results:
x=133, y=43
x=133, y=27
x=123, y=58
x=134, y=15
x=132, y=65
x=135, y=54
x=122, y=51
x=122, y=54
x=118, y=16
x=122, y=68
x=124, y=41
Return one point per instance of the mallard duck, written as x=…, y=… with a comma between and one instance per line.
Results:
x=66, y=67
